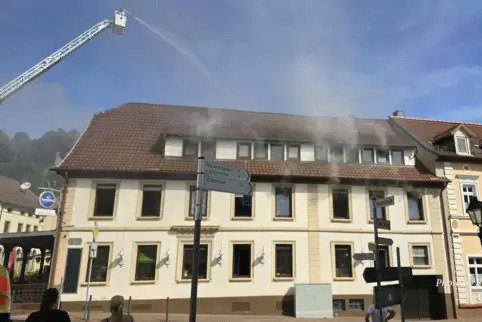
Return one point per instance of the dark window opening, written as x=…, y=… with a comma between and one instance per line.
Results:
x=384, y=253
x=379, y=211
x=188, y=250
x=208, y=150
x=105, y=200
x=241, y=261
x=146, y=263
x=277, y=152
x=337, y=155
x=397, y=157
x=260, y=151
x=283, y=203
x=343, y=265
x=192, y=201
x=383, y=156
x=151, y=201
x=190, y=148
x=341, y=205
x=415, y=206
x=100, y=265
x=284, y=260
x=321, y=153
x=243, y=206
x=368, y=156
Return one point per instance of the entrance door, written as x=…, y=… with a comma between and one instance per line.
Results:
x=72, y=270
x=423, y=301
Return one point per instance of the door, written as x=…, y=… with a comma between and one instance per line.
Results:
x=72, y=270
x=423, y=300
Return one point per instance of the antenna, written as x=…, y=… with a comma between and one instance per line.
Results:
x=25, y=186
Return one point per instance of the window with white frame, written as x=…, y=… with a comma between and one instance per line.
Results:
x=475, y=271
x=462, y=145
x=469, y=190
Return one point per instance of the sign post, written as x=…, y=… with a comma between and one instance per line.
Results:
x=92, y=255
x=402, y=290
x=216, y=177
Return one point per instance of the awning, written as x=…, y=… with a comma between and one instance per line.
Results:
x=31, y=239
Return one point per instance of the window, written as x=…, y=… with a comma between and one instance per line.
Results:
x=343, y=266
x=27, y=228
x=208, y=150
x=277, y=151
x=260, y=151
x=351, y=156
x=244, y=151
x=192, y=202
x=415, y=206
x=336, y=155
x=383, y=156
x=462, y=145
x=469, y=190
x=187, y=253
x=151, y=201
x=380, y=211
x=368, y=156
x=146, y=263
x=6, y=227
x=190, y=148
x=475, y=269
x=384, y=252
x=100, y=265
x=397, y=157
x=341, y=204
x=22, y=213
x=321, y=153
x=35, y=228
x=293, y=152
x=283, y=203
x=20, y=228
x=339, y=305
x=9, y=209
x=357, y=304
x=284, y=260
x=420, y=256
x=242, y=261
x=243, y=206
x=105, y=200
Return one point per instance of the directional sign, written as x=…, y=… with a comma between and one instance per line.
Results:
x=217, y=170
x=384, y=224
x=381, y=241
x=388, y=274
x=93, y=250
x=231, y=186
x=385, y=202
x=45, y=212
x=389, y=295
x=364, y=256
x=46, y=199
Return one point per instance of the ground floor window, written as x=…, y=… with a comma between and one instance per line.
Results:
x=186, y=267
x=475, y=271
x=146, y=262
x=100, y=265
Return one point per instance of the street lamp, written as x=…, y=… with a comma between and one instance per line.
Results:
x=474, y=210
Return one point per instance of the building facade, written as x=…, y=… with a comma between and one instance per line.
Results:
x=453, y=151
x=133, y=172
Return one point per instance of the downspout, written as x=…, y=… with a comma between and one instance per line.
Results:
x=58, y=230
x=448, y=253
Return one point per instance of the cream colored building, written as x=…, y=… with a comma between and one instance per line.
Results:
x=310, y=211
x=453, y=151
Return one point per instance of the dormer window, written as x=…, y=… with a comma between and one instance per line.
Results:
x=190, y=148
x=382, y=156
x=336, y=155
x=321, y=153
x=277, y=151
x=293, y=152
x=208, y=150
x=260, y=151
x=462, y=145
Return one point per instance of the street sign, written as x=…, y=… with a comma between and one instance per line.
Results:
x=388, y=274
x=385, y=202
x=381, y=241
x=45, y=212
x=47, y=199
x=93, y=250
x=364, y=256
x=226, y=185
x=384, y=224
x=389, y=295
x=217, y=170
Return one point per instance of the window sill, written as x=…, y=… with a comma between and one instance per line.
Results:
x=344, y=279
x=244, y=279
x=95, y=284
x=421, y=266
x=416, y=222
x=104, y=218
x=192, y=218
x=241, y=218
x=148, y=218
x=189, y=281
x=283, y=279
x=142, y=282
x=341, y=220
x=283, y=219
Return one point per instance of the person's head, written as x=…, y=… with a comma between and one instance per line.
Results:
x=49, y=299
x=117, y=307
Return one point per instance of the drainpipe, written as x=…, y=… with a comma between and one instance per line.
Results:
x=58, y=231
x=448, y=253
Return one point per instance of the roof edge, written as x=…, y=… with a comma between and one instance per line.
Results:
x=393, y=120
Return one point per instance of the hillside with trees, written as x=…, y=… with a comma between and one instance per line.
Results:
x=27, y=159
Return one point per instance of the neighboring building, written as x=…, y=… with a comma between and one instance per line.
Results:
x=453, y=150
x=134, y=169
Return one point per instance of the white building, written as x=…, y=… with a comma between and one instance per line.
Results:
x=133, y=171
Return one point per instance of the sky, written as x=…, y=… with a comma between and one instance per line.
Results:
x=313, y=57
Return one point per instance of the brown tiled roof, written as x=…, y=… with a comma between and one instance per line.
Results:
x=12, y=195
x=429, y=131
x=129, y=137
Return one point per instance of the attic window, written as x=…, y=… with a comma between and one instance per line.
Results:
x=462, y=145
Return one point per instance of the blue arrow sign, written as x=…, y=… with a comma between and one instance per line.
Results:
x=47, y=199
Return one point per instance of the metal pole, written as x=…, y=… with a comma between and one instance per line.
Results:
x=197, y=239
x=377, y=265
x=400, y=281
x=58, y=232
x=86, y=316
x=61, y=291
x=167, y=309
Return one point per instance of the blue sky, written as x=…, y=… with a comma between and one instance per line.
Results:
x=362, y=58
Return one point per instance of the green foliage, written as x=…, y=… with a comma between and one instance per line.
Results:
x=27, y=159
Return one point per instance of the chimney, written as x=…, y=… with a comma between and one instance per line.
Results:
x=398, y=113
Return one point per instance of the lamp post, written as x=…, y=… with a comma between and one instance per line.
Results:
x=474, y=210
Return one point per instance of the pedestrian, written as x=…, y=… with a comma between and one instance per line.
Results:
x=117, y=311
x=5, y=294
x=47, y=312
x=387, y=313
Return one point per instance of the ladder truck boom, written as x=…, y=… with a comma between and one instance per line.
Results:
x=118, y=26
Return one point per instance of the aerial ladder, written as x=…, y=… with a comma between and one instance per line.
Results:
x=118, y=26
